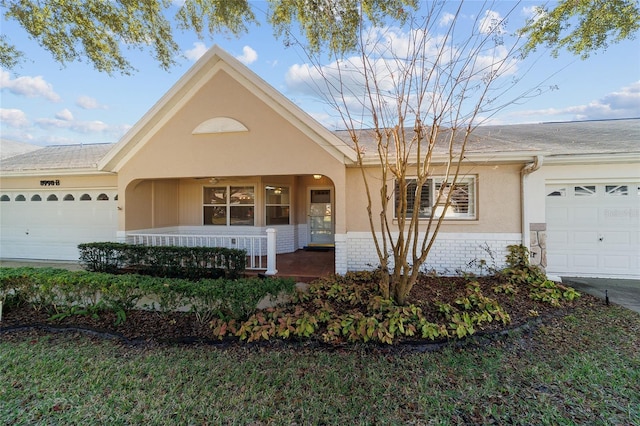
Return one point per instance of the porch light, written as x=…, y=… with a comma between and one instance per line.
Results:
x=317, y=177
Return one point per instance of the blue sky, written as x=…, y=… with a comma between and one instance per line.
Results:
x=44, y=103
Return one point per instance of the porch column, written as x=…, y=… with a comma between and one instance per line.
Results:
x=271, y=252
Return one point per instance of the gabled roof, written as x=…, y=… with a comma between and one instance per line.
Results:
x=60, y=158
x=9, y=148
x=199, y=74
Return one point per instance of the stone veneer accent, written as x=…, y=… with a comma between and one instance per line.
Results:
x=538, y=245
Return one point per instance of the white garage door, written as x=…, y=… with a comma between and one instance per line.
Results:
x=593, y=230
x=51, y=224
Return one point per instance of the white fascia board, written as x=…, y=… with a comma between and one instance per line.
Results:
x=476, y=158
x=53, y=171
x=593, y=158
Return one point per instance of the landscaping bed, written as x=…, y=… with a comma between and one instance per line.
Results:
x=182, y=327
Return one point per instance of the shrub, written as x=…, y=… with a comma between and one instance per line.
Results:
x=59, y=291
x=164, y=261
x=519, y=272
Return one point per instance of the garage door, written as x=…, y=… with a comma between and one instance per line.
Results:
x=593, y=230
x=50, y=225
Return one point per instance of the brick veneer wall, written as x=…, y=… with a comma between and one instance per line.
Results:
x=452, y=252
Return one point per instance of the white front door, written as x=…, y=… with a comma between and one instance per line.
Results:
x=320, y=217
x=593, y=229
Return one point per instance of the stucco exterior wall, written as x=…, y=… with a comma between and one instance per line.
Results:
x=272, y=146
x=62, y=182
x=498, y=200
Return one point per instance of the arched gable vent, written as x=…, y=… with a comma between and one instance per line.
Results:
x=219, y=125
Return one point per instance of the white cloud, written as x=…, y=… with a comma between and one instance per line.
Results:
x=443, y=74
x=31, y=87
x=196, y=53
x=84, y=127
x=623, y=103
x=87, y=102
x=446, y=19
x=491, y=22
x=13, y=117
x=64, y=115
x=533, y=13
x=248, y=56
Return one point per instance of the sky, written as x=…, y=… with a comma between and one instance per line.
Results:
x=45, y=103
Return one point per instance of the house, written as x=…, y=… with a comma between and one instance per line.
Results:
x=223, y=157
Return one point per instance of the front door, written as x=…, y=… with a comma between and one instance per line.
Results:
x=320, y=217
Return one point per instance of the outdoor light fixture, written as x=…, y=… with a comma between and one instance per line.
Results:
x=317, y=177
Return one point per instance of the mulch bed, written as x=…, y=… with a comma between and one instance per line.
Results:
x=153, y=327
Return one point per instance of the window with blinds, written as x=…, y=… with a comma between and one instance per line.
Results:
x=433, y=196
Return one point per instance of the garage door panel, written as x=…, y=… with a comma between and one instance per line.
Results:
x=616, y=238
x=585, y=238
x=53, y=229
x=617, y=261
x=558, y=215
x=558, y=238
x=588, y=261
x=585, y=216
x=594, y=230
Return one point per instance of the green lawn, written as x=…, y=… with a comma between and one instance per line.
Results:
x=580, y=369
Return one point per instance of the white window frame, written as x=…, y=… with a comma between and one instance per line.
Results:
x=451, y=214
x=267, y=204
x=228, y=205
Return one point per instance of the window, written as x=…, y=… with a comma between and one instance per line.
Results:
x=562, y=192
x=277, y=205
x=69, y=197
x=617, y=190
x=5, y=198
x=52, y=197
x=463, y=198
x=228, y=205
x=20, y=197
x=585, y=191
x=85, y=197
x=36, y=197
x=103, y=197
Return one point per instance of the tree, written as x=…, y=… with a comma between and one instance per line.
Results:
x=582, y=26
x=409, y=102
x=97, y=30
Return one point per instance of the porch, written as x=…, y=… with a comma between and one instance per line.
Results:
x=304, y=265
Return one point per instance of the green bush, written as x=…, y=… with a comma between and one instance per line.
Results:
x=164, y=261
x=59, y=291
x=519, y=272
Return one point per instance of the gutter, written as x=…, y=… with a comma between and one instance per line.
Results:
x=526, y=171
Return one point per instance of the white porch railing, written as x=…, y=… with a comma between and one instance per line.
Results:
x=258, y=247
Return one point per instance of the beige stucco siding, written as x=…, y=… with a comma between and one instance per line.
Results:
x=63, y=182
x=272, y=146
x=498, y=205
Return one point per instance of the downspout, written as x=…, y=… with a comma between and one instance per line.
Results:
x=526, y=171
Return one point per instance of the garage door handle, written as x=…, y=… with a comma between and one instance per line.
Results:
x=601, y=239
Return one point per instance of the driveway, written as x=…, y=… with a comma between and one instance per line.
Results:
x=622, y=292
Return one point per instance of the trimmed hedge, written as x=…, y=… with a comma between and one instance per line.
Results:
x=163, y=261
x=60, y=290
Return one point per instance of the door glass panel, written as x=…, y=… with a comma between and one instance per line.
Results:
x=320, y=217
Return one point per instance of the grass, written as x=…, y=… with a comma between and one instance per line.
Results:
x=578, y=369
